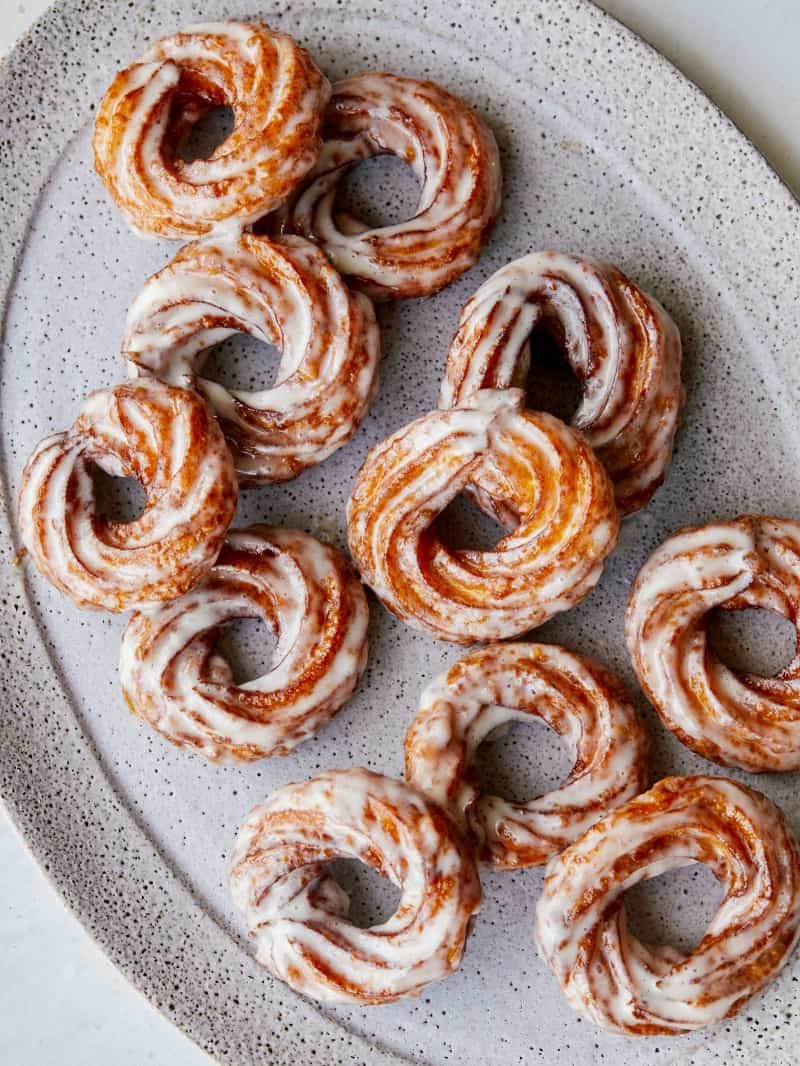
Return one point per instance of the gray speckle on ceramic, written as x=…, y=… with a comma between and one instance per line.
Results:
x=607, y=151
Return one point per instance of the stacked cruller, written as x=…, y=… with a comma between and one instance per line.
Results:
x=559, y=491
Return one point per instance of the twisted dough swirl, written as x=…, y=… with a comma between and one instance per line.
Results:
x=622, y=346
x=277, y=96
x=536, y=474
x=284, y=293
x=297, y=914
x=452, y=153
x=736, y=719
x=503, y=683
x=168, y=440
x=637, y=989
x=305, y=592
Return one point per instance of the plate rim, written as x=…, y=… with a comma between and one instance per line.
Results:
x=68, y=880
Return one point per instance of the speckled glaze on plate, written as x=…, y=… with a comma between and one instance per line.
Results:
x=607, y=150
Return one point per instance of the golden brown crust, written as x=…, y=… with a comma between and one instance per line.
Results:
x=641, y=989
x=495, y=686
x=297, y=914
x=734, y=718
x=276, y=93
x=283, y=292
x=451, y=151
x=537, y=476
x=168, y=440
x=621, y=344
x=175, y=679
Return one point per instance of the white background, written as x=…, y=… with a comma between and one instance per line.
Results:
x=61, y=1002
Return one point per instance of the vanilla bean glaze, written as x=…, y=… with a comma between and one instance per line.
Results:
x=621, y=344
x=538, y=476
x=284, y=293
x=297, y=914
x=736, y=719
x=277, y=96
x=639, y=989
x=493, y=687
x=175, y=679
x=451, y=151
x=170, y=442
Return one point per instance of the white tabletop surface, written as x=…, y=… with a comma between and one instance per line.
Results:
x=743, y=53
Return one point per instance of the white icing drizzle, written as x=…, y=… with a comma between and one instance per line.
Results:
x=297, y=914
x=277, y=95
x=536, y=474
x=733, y=718
x=638, y=989
x=282, y=292
x=504, y=683
x=168, y=440
x=452, y=153
x=621, y=344
x=173, y=678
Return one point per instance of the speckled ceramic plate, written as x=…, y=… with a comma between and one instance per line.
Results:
x=607, y=150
